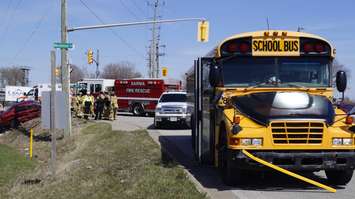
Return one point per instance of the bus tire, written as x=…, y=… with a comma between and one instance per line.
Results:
x=339, y=177
x=229, y=174
x=138, y=109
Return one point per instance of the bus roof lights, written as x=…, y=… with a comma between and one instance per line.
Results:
x=232, y=48
x=275, y=34
x=308, y=47
x=244, y=47
x=319, y=48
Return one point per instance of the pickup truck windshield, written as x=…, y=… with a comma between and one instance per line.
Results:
x=276, y=72
x=173, y=98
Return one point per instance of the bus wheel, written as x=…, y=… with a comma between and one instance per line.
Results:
x=339, y=177
x=230, y=175
x=138, y=110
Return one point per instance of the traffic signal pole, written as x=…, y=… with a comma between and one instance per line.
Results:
x=65, y=66
x=133, y=24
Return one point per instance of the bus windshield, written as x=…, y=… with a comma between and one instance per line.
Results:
x=276, y=72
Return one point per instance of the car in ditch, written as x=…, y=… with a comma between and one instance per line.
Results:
x=19, y=113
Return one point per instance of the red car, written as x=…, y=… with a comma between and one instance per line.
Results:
x=19, y=113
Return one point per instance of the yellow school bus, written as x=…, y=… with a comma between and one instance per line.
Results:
x=270, y=93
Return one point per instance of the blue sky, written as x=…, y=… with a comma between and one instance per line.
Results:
x=29, y=28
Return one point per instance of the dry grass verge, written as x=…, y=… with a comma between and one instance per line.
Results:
x=101, y=163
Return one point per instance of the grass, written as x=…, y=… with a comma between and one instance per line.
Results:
x=112, y=164
x=12, y=164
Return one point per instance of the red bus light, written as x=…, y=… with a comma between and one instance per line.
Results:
x=308, y=48
x=244, y=48
x=319, y=48
x=232, y=48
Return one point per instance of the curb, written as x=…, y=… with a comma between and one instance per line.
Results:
x=166, y=151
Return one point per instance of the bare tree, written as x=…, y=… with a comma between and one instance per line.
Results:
x=337, y=66
x=76, y=73
x=121, y=70
x=13, y=76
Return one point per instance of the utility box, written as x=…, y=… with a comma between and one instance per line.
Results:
x=60, y=112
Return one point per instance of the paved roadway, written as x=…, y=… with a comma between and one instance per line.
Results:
x=259, y=186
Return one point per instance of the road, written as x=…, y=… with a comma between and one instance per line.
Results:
x=258, y=186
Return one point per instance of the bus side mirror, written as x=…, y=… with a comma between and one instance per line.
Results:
x=341, y=81
x=215, y=76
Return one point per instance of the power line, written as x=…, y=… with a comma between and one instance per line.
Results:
x=38, y=25
x=128, y=9
x=112, y=30
x=139, y=8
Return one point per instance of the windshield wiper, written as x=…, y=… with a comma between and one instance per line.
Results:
x=296, y=85
x=255, y=86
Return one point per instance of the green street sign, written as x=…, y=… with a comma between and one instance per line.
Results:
x=63, y=45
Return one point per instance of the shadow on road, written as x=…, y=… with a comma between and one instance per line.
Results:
x=179, y=149
x=128, y=114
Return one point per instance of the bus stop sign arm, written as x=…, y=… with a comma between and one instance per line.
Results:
x=133, y=24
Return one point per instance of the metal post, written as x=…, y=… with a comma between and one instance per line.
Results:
x=153, y=48
x=97, y=63
x=31, y=143
x=52, y=115
x=65, y=65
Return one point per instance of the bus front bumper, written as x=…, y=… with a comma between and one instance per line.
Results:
x=296, y=160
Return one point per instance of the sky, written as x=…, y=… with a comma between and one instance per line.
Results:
x=28, y=29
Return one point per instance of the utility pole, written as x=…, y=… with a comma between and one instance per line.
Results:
x=97, y=63
x=153, y=47
x=65, y=65
x=52, y=128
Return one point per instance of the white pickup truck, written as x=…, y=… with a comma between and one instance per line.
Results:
x=172, y=108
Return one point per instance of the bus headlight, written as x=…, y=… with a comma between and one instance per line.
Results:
x=342, y=141
x=245, y=141
x=337, y=141
x=257, y=142
x=251, y=141
x=347, y=141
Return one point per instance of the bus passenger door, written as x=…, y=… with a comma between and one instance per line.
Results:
x=203, y=136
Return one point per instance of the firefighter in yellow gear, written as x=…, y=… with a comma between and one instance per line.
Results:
x=79, y=101
x=87, y=104
x=74, y=105
x=114, y=105
x=108, y=107
x=92, y=110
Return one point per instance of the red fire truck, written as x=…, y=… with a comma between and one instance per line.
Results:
x=140, y=96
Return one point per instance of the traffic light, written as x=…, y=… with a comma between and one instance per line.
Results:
x=90, y=56
x=164, y=71
x=203, y=30
x=57, y=71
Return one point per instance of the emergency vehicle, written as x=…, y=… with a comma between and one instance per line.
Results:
x=140, y=96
